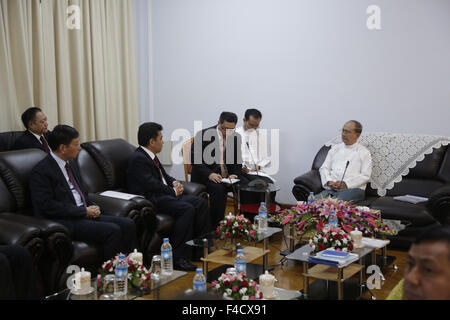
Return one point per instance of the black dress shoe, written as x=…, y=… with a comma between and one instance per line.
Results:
x=182, y=264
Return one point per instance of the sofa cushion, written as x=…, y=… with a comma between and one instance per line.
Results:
x=416, y=187
x=429, y=167
x=398, y=210
x=15, y=169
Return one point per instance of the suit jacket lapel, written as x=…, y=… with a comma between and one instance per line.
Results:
x=61, y=177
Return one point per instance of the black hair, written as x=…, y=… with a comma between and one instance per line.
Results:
x=254, y=113
x=358, y=126
x=434, y=233
x=228, y=117
x=61, y=134
x=29, y=115
x=147, y=131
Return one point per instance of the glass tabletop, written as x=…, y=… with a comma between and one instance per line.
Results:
x=270, y=188
x=302, y=254
x=133, y=292
x=212, y=237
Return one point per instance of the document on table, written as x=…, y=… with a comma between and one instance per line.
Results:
x=120, y=195
x=374, y=243
x=262, y=174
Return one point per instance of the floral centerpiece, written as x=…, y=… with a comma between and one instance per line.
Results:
x=236, y=227
x=236, y=287
x=312, y=218
x=138, y=275
x=333, y=238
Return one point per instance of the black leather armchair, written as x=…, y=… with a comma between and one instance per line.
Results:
x=429, y=178
x=15, y=207
x=7, y=140
x=109, y=159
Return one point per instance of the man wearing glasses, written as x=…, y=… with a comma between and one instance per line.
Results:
x=347, y=167
x=215, y=155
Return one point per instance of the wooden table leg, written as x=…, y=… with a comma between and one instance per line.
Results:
x=305, y=280
x=205, y=256
x=340, y=283
x=266, y=255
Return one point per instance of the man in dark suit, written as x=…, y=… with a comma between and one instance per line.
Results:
x=57, y=194
x=146, y=176
x=216, y=154
x=36, y=133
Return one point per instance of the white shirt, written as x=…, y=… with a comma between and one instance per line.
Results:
x=359, y=169
x=152, y=155
x=62, y=165
x=257, y=154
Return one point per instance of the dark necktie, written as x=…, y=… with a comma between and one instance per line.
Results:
x=45, y=144
x=74, y=183
x=223, y=169
x=158, y=165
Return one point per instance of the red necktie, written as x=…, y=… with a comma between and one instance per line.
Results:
x=45, y=144
x=74, y=183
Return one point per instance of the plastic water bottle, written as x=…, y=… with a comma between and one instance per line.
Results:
x=166, y=257
x=311, y=198
x=262, y=213
x=121, y=277
x=240, y=262
x=199, y=283
x=332, y=219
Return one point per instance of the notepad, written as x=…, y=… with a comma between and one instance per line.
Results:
x=229, y=181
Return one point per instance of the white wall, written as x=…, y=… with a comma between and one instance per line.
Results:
x=307, y=65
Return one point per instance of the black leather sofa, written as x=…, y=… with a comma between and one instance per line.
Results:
x=59, y=251
x=103, y=165
x=429, y=178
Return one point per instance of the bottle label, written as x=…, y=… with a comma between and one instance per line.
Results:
x=166, y=254
x=199, y=285
x=262, y=214
x=240, y=266
x=121, y=272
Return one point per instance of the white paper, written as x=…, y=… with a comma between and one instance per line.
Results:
x=411, y=199
x=119, y=195
x=374, y=243
x=262, y=174
x=227, y=180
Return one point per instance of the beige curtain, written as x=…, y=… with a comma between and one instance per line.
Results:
x=82, y=77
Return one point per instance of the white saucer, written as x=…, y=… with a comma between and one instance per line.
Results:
x=82, y=292
x=271, y=297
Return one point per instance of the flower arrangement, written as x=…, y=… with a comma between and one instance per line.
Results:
x=314, y=217
x=138, y=275
x=334, y=238
x=236, y=287
x=236, y=227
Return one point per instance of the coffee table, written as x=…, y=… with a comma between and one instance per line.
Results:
x=224, y=257
x=133, y=293
x=327, y=273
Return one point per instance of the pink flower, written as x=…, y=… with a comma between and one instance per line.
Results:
x=214, y=283
x=252, y=298
x=235, y=288
x=252, y=233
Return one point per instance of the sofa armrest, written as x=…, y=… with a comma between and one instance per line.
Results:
x=193, y=188
x=438, y=204
x=12, y=233
x=310, y=180
x=114, y=206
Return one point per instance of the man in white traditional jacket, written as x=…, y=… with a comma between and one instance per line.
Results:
x=254, y=152
x=347, y=167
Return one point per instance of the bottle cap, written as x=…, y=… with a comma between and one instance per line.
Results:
x=121, y=256
x=239, y=251
x=199, y=270
x=263, y=203
x=311, y=192
x=166, y=240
